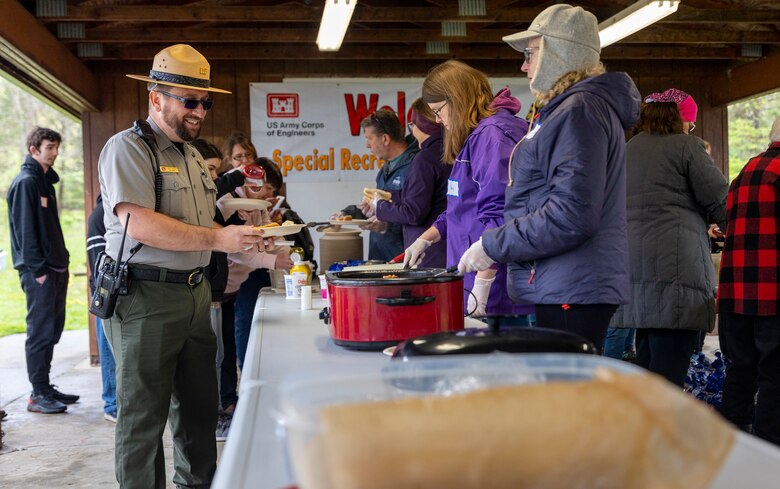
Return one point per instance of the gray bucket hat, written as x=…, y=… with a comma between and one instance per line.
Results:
x=570, y=41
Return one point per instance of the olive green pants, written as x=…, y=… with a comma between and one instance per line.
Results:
x=165, y=369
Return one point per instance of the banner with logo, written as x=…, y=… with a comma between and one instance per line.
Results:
x=311, y=128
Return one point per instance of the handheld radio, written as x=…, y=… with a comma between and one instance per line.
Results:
x=110, y=281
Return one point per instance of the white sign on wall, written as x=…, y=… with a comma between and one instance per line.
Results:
x=311, y=129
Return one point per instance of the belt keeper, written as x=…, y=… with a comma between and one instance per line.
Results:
x=163, y=275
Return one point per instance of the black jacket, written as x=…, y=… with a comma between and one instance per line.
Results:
x=37, y=243
x=96, y=238
x=217, y=271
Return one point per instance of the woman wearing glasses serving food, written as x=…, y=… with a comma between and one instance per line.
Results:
x=424, y=193
x=480, y=131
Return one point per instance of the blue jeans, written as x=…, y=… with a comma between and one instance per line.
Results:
x=245, y=309
x=107, y=369
x=618, y=341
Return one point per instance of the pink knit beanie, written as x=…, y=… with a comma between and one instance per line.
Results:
x=686, y=104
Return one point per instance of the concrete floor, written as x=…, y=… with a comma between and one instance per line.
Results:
x=73, y=449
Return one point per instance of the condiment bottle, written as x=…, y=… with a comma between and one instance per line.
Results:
x=300, y=276
x=296, y=254
x=254, y=175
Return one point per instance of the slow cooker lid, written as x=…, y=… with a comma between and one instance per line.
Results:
x=392, y=276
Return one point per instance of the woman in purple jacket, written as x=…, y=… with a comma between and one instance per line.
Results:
x=480, y=132
x=424, y=194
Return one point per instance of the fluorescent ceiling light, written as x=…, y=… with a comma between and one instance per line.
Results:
x=635, y=18
x=335, y=20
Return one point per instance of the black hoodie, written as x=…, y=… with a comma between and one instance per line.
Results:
x=37, y=243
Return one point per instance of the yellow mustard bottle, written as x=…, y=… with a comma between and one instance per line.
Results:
x=300, y=276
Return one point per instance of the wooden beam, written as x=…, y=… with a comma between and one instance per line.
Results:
x=364, y=13
x=277, y=70
x=703, y=34
x=400, y=52
x=737, y=14
x=653, y=35
x=747, y=81
x=46, y=65
x=293, y=35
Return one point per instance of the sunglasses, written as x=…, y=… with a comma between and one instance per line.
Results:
x=189, y=103
x=376, y=118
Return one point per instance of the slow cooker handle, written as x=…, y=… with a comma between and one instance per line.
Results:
x=405, y=299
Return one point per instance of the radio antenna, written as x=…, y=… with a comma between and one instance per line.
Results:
x=121, y=248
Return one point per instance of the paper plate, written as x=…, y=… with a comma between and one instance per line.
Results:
x=244, y=204
x=353, y=222
x=283, y=230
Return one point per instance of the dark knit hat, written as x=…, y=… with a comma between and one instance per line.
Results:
x=425, y=125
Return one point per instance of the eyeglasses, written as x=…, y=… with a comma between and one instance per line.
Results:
x=410, y=124
x=437, y=112
x=691, y=127
x=189, y=103
x=528, y=53
x=242, y=156
x=379, y=121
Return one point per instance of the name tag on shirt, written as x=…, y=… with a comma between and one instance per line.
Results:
x=44, y=202
x=533, y=132
x=169, y=169
x=452, y=188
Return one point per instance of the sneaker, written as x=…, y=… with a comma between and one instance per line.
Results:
x=223, y=426
x=629, y=356
x=45, y=404
x=63, y=398
x=110, y=416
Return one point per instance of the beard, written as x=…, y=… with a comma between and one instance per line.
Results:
x=178, y=125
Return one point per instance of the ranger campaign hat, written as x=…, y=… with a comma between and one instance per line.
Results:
x=181, y=66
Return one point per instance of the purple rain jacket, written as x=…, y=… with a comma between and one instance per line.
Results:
x=565, y=234
x=420, y=201
x=475, y=194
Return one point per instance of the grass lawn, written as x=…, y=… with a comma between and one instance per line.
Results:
x=13, y=307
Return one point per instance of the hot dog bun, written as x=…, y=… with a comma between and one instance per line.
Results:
x=620, y=431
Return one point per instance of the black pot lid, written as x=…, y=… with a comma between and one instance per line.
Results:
x=485, y=340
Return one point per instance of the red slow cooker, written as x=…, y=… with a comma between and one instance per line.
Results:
x=371, y=310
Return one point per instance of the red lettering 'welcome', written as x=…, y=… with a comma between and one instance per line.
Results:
x=358, y=111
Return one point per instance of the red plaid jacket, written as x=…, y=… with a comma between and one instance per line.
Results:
x=750, y=265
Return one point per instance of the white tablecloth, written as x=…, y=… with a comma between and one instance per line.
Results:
x=284, y=339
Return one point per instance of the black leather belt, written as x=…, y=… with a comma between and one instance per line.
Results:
x=190, y=278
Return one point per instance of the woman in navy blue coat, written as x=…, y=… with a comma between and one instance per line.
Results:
x=565, y=238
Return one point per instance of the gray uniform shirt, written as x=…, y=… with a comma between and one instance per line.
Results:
x=126, y=173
